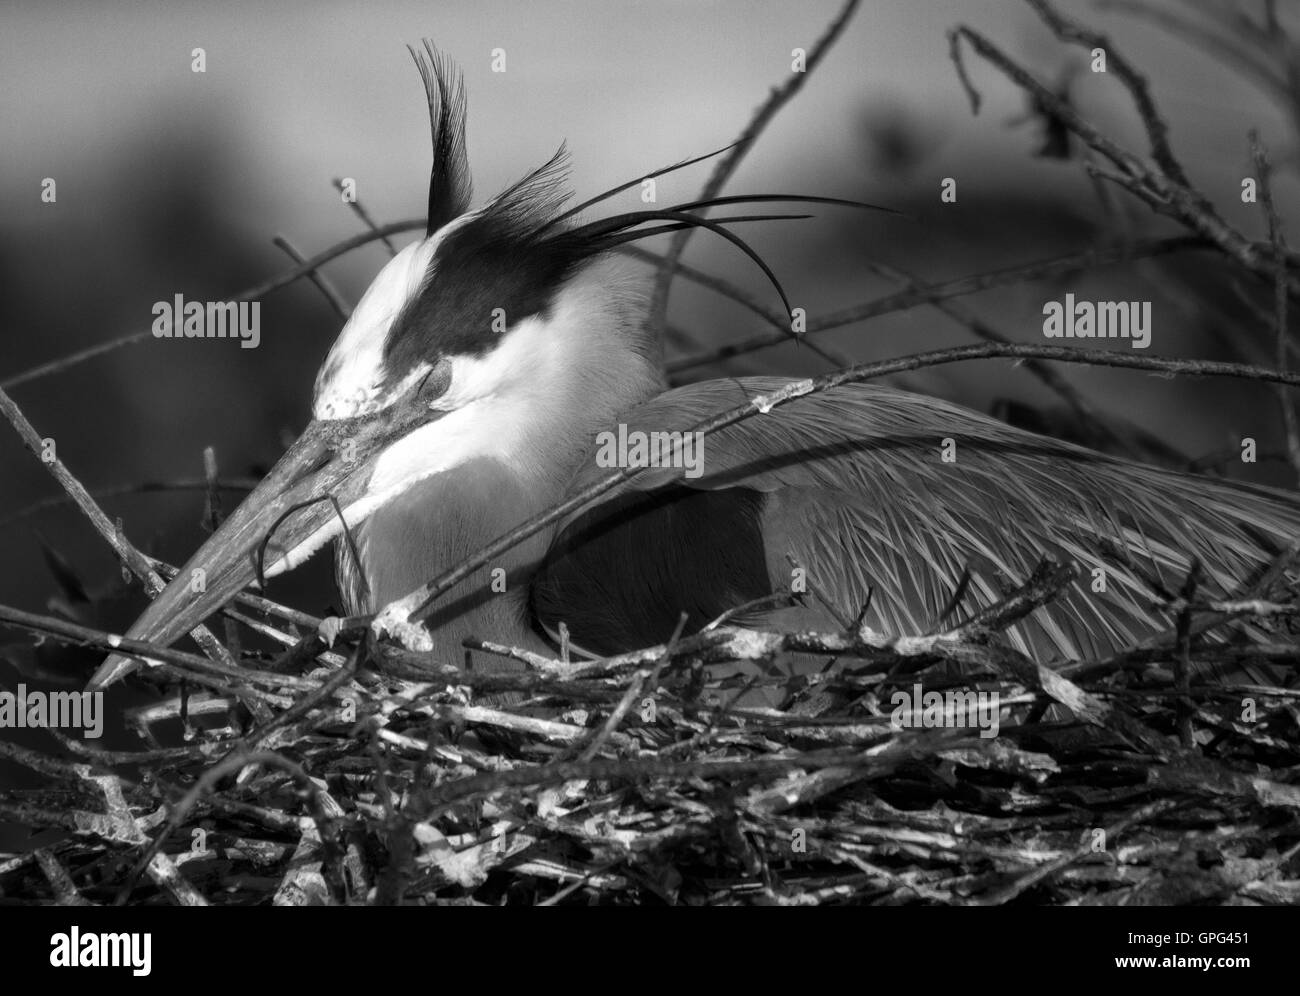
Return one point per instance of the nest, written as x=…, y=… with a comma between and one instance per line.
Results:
x=697, y=772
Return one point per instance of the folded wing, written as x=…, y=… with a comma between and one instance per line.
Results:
x=869, y=489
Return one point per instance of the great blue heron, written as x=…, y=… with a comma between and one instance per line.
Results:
x=467, y=392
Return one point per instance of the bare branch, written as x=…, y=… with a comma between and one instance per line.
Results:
x=722, y=172
x=929, y=293
x=234, y=485
x=189, y=667
x=253, y=293
x=1134, y=82
x=1163, y=191
x=359, y=210
x=1265, y=171
x=134, y=560
x=322, y=282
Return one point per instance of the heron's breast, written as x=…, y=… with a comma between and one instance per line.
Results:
x=435, y=525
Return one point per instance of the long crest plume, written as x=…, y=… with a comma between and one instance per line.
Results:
x=515, y=253
x=605, y=234
x=450, y=185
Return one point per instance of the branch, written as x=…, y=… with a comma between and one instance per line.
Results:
x=359, y=210
x=238, y=484
x=322, y=282
x=135, y=561
x=929, y=293
x=1134, y=82
x=722, y=287
x=1265, y=171
x=188, y=667
x=1164, y=192
x=252, y=293
x=778, y=98
x=1050, y=377
x=229, y=765
x=1245, y=54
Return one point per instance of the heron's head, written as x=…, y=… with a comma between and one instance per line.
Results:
x=466, y=343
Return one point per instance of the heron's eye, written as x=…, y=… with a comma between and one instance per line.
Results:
x=435, y=383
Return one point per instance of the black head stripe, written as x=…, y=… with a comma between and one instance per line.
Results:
x=507, y=263
x=494, y=271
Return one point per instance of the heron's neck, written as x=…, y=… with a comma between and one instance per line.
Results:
x=591, y=360
x=504, y=457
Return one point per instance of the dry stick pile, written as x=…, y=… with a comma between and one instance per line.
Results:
x=627, y=780
x=368, y=773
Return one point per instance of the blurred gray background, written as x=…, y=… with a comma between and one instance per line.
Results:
x=170, y=181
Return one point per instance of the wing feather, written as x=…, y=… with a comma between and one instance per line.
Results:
x=852, y=483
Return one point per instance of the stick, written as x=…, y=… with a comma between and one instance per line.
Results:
x=129, y=555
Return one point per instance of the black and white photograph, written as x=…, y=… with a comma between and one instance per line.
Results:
x=664, y=453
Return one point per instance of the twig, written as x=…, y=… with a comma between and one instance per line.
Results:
x=52, y=767
x=726, y=166
x=1045, y=871
x=1257, y=607
x=640, y=769
x=65, y=891
x=723, y=288
x=646, y=677
x=258, y=603
x=1246, y=54
x=322, y=282
x=212, y=518
x=229, y=765
x=255, y=292
x=166, y=657
x=1160, y=643
x=313, y=699
x=928, y=293
x=1046, y=582
x=1163, y=191
x=1183, y=657
x=1050, y=377
x=1134, y=82
x=1265, y=171
x=235, y=485
x=359, y=210
x=129, y=555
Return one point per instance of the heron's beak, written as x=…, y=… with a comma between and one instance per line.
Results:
x=291, y=505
